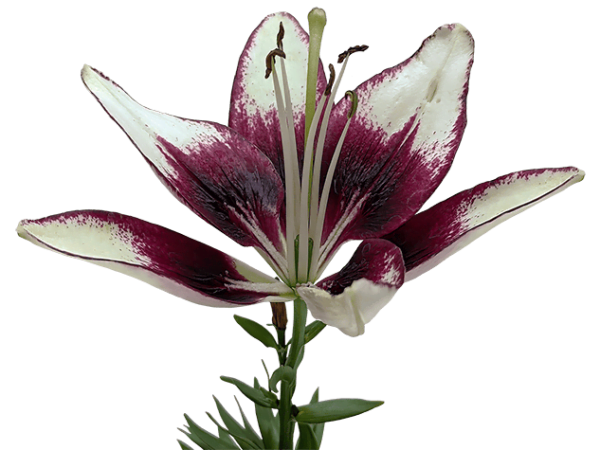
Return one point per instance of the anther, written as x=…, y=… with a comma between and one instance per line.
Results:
x=331, y=79
x=280, y=36
x=271, y=60
x=357, y=48
x=354, y=100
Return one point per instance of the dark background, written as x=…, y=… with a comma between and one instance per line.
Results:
x=75, y=385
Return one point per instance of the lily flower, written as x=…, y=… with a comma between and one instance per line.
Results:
x=296, y=175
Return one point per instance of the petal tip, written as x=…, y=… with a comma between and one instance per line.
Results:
x=86, y=72
x=579, y=176
x=21, y=231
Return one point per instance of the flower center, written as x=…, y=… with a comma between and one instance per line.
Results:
x=305, y=199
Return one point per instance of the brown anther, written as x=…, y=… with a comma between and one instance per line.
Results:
x=357, y=48
x=354, y=105
x=331, y=80
x=271, y=60
x=280, y=36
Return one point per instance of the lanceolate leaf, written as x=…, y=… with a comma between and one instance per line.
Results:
x=226, y=434
x=247, y=424
x=331, y=410
x=308, y=439
x=237, y=429
x=254, y=394
x=184, y=446
x=257, y=331
x=240, y=435
x=318, y=428
x=206, y=438
x=268, y=424
x=312, y=330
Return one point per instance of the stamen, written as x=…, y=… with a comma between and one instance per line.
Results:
x=314, y=266
x=270, y=61
x=280, y=35
x=289, y=114
x=357, y=48
x=331, y=80
x=316, y=173
x=307, y=169
x=289, y=154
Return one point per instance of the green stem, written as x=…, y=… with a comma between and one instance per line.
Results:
x=286, y=429
x=281, y=342
x=285, y=414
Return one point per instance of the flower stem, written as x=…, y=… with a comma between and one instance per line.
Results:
x=285, y=415
x=286, y=425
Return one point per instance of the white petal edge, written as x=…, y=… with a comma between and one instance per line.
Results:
x=121, y=257
x=351, y=310
x=499, y=204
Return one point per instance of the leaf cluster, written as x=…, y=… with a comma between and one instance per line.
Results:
x=310, y=418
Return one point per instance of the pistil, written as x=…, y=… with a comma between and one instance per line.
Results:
x=316, y=24
x=305, y=203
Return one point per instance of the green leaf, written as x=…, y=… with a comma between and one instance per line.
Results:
x=196, y=440
x=266, y=370
x=226, y=434
x=318, y=428
x=257, y=331
x=236, y=429
x=268, y=424
x=312, y=330
x=206, y=438
x=284, y=373
x=232, y=425
x=269, y=395
x=247, y=424
x=307, y=439
x=315, y=397
x=184, y=446
x=331, y=410
x=256, y=395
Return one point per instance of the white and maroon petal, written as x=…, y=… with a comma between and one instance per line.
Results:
x=209, y=167
x=352, y=297
x=159, y=256
x=439, y=232
x=402, y=139
x=253, y=110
